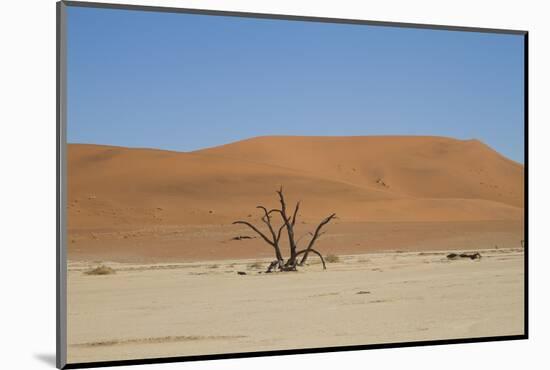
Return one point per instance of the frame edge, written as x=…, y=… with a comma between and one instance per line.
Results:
x=287, y=17
x=61, y=125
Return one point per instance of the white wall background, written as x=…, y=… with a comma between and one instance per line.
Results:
x=27, y=182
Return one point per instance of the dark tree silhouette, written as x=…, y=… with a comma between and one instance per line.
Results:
x=288, y=223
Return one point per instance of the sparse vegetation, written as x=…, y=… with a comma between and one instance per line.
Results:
x=332, y=258
x=100, y=270
x=214, y=266
x=288, y=223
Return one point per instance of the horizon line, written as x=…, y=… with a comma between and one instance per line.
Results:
x=295, y=136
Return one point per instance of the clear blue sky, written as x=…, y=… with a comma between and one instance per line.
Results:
x=184, y=82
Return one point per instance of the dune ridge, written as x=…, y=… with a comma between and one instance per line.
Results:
x=417, y=166
x=419, y=175
x=362, y=179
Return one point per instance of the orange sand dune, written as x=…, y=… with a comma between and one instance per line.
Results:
x=414, y=166
x=112, y=190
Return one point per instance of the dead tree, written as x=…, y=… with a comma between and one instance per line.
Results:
x=288, y=223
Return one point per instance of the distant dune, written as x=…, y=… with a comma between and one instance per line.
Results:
x=410, y=166
x=362, y=179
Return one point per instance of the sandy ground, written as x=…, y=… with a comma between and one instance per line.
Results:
x=180, y=309
x=163, y=221
x=184, y=243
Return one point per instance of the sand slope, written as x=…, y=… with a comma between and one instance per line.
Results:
x=363, y=179
x=415, y=166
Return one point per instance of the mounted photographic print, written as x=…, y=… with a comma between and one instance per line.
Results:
x=235, y=184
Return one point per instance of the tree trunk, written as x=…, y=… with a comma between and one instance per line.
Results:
x=289, y=224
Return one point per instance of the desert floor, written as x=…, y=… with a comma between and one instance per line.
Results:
x=186, y=243
x=194, y=308
x=164, y=221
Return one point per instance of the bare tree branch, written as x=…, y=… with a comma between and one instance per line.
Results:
x=267, y=220
x=311, y=250
x=276, y=237
x=255, y=229
x=279, y=232
x=295, y=213
x=282, y=211
x=315, y=236
x=289, y=227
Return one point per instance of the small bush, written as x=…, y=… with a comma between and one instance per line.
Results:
x=332, y=258
x=214, y=266
x=100, y=270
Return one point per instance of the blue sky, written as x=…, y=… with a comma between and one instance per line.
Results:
x=184, y=82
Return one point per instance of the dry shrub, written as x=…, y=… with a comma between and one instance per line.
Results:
x=100, y=270
x=332, y=258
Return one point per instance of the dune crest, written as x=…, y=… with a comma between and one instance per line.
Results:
x=361, y=178
x=410, y=166
x=117, y=194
